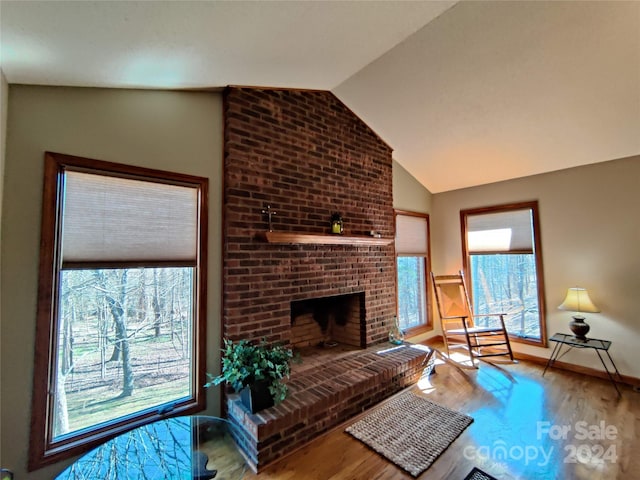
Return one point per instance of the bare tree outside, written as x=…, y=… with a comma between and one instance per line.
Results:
x=411, y=291
x=507, y=283
x=124, y=337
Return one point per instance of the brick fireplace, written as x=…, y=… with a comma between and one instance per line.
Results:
x=304, y=155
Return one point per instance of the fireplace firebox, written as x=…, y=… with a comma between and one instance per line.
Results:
x=329, y=321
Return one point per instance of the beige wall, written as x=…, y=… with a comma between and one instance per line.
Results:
x=590, y=232
x=408, y=193
x=411, y=195
x=176, y=131
x=4, y=96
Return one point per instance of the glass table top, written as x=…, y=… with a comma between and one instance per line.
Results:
x=581, y=343
x=181, y=448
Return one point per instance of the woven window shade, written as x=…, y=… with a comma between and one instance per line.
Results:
x=112, y=219
x=501, y=232
x=411, y=236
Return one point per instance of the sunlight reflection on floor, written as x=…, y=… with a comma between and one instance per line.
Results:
x=514, y=433
x=518, y=405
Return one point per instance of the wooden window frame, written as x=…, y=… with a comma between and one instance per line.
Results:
x=43, y=451
x=428, y=326
x=537, y=245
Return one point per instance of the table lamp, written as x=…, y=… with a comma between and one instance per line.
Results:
x=577, y=300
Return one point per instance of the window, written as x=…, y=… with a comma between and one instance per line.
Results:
x=501, y=250
x=412, y=261
x=121, y=312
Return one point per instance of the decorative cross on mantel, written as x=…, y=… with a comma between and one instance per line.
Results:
x=268, y=211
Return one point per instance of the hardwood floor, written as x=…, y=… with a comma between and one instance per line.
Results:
x=561, y=426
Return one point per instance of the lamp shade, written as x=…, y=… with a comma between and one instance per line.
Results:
x=577, y=300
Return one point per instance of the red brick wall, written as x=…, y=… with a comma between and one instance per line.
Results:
x=307, y=155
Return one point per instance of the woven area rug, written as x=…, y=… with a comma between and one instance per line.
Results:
x=410, y=431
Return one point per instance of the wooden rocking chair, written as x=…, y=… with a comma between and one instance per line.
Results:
x=459, y=329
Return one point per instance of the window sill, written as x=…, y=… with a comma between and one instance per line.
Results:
x=420, y=329
x=529, y=341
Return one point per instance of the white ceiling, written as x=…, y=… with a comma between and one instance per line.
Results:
x=466, y=93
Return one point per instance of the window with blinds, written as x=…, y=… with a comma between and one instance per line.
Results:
x=108, y=219
x=412, y=263
x=502, y=232
x=504, y=266
x=412, y=235
x=122, y=302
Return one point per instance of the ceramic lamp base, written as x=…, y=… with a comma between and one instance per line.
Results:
x=579, y=328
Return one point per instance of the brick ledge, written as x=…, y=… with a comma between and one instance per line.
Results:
x=319, y=400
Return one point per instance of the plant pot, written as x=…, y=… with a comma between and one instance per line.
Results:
x=257, y=396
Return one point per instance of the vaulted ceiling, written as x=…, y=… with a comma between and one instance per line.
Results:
x=466, y=93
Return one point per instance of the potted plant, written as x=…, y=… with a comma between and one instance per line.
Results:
x=255, y=371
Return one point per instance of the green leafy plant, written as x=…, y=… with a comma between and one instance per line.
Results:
x=245, y=363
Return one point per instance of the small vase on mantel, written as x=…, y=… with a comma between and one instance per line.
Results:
x=395, y=334
x=337, y=225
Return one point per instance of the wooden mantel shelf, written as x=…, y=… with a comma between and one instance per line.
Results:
x=319, y=239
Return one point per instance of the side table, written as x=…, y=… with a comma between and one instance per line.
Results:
x=593, y=343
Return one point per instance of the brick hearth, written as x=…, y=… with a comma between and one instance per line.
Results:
x=320, y=399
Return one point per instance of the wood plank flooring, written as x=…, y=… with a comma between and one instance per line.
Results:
x=561, y=426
